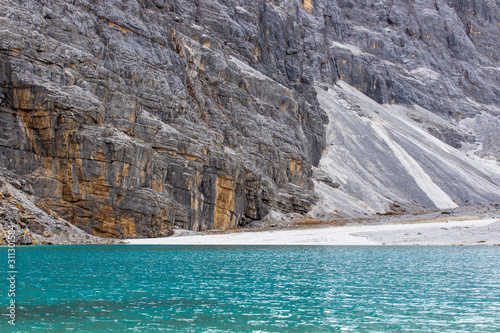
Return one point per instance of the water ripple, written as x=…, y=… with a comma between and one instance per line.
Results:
x=259, y=289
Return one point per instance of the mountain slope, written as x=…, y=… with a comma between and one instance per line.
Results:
x=380, y=159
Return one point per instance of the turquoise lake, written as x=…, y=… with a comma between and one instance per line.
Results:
x=254, y=289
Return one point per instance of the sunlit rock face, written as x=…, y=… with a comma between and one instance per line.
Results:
x=130, y=117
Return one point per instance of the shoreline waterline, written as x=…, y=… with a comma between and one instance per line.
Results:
x=468, y=232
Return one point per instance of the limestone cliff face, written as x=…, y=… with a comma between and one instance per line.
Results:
x=130, y=117
x=127, y=119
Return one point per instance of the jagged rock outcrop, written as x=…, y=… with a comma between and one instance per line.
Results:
x=130, y=117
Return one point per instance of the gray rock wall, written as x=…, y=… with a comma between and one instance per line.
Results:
x=126, y=125
x=130, y=117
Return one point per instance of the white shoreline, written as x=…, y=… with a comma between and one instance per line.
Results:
x=471, y=232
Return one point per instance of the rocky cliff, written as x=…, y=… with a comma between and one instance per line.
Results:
x=129, y=117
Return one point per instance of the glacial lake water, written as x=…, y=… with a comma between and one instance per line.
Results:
x=254, y=289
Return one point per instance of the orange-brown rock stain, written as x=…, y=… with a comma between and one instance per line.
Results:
x=224, y=203
x=107, y=222
x=196, y=197
x=122, y=29
x=128, y=225
x=308, y=5
x=22, y=98
x=257, y=53
x=295, y=165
